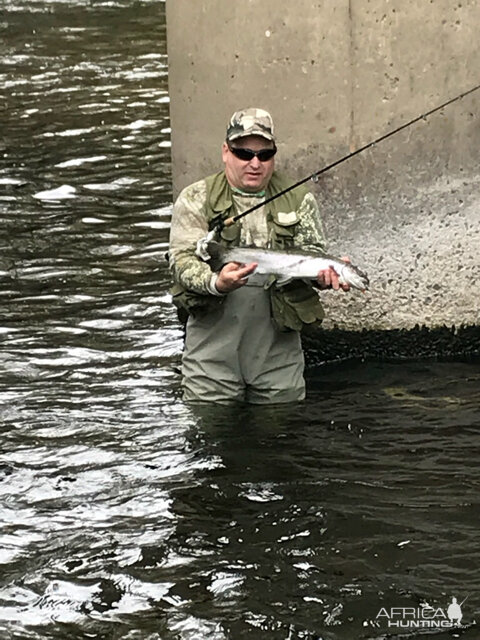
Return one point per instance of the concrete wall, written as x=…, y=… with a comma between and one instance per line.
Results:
x=335, y=75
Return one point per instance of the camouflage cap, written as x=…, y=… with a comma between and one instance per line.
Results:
x=250, y=122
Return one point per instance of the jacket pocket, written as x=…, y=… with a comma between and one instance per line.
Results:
x=191, y=303
x=295, y=306
x=284, y=225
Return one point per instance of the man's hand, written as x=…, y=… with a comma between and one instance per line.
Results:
x=328, y=278
x=234, y=275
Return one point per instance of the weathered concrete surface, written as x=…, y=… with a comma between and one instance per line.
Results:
x=336, y=75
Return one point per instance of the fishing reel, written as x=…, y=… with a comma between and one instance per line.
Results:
x=202, y=246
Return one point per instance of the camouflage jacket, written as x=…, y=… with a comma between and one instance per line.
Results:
x=291, y=220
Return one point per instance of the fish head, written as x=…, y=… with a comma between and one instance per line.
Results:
x=355, y=277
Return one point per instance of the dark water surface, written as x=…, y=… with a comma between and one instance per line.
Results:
x=125, y=514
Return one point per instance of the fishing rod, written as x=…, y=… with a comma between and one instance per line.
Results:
x=217, y=224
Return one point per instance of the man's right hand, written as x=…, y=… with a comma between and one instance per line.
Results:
x=234, y=275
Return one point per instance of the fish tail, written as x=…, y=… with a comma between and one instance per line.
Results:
x=217, y=255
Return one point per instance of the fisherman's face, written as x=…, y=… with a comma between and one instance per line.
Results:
x=248, y=175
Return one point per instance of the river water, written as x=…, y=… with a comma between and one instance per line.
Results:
x=125, y=514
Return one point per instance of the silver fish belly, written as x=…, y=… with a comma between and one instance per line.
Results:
x=286, y=265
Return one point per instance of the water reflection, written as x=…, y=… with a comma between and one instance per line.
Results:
x=125, y=513
x=315, y=514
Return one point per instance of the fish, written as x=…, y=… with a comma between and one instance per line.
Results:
x=287, y=265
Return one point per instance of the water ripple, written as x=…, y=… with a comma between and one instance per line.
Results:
x=126, y=513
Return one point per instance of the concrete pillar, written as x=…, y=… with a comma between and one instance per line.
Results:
x=336, y=75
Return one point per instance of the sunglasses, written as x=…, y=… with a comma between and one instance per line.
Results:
x=248, y=154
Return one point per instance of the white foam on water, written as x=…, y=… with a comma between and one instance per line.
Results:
x=60, y=193
x=90, y=220
x=10, y=181
x=105, y=323
x=78, y=161
x=139, y=124
x=111, y=186
x=153, y=225
x=152, y=56
x=68, y=132
x=223, y=583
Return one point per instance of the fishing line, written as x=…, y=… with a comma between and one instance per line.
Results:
x=218, y=224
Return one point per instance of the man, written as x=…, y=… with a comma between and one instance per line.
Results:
x=242, y=335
